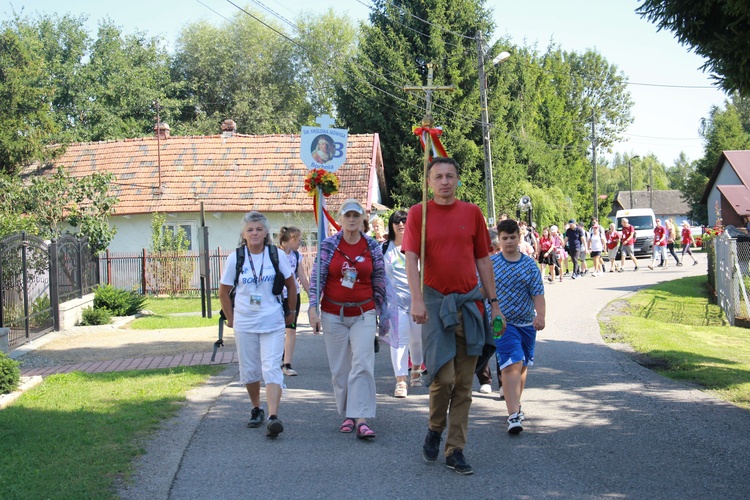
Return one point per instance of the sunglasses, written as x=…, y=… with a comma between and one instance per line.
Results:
x=399, y=220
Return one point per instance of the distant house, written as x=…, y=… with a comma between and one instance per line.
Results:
x=229, y=173
x=667, y=204
x=728, y=189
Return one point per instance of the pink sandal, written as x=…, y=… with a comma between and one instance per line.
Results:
x=347, y=426
x=364, y=432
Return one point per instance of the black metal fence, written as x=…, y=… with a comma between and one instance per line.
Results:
x=169, y=273
x=36, y=276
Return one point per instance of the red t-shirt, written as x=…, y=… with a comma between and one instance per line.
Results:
x=628, y=235
x=545, y=244
x=659, y=239
x=456, y=235
x=346, y=256
x=686, y=235
x=613, y=239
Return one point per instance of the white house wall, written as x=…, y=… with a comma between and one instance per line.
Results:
x=727, y=177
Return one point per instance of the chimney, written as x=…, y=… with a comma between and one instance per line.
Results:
x=162, y=130
x=228, y=128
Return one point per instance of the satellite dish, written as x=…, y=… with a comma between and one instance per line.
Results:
x=524, y=202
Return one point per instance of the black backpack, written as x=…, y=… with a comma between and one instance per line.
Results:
x=278, y=281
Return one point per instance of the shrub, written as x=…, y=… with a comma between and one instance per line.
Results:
x=91, y=317
x=10, y=374
x=118, y=302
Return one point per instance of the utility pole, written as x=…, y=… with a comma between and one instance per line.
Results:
x=593, y=161
x=427, y=122
x=158, y=144
x=651, y=185
x=488, y=176
x=630, y=178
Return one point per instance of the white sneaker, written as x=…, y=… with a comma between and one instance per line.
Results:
x=485, y=389
x=514, y=424
x=287, y=370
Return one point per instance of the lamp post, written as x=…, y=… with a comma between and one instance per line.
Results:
x=630, y=177
x=503, y=56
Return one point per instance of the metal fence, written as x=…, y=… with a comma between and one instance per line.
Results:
x=730, y=260
x=162, y=273
x=36, y=276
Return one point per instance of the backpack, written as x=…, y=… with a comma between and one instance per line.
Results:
x=278, y=281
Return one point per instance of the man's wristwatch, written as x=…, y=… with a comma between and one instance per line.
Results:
x=493, y=300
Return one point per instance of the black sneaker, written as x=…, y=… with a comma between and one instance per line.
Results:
x=515, y=424
x=457, y=462
x=431, y=447
x=274, y=427
x=257, y=416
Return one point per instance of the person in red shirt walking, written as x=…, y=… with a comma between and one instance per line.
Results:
x=613, y=241
x=687, y=241
x=660, y=245
x=628, y=239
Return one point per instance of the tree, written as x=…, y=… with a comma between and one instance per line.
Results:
x=240, y=70
x=25, y=119
x=718, y=30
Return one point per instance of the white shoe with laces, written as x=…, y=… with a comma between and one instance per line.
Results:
x=485, y=389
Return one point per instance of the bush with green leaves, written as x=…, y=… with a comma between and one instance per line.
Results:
x=91, y=316
x=10, y=374
x=118, y=302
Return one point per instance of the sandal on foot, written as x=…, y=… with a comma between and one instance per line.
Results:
x=401, y=390
x=416, y=381
x=347, y=426
x=364, y=432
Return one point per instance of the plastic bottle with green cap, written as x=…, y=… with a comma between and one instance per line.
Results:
x=497, y=326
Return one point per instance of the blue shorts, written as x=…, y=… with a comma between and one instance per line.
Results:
x=516, y=344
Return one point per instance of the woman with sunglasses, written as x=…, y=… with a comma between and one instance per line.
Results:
x=410, y=333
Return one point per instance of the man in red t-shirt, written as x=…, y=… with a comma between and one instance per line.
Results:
x=660, y=245
x=628, y=240
x=456, y=249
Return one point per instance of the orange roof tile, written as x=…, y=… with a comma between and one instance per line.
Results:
x=228, y=174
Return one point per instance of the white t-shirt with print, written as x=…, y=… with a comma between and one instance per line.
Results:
x=270, y=316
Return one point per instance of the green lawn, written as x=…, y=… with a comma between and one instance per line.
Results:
x=179, y=312
x=76, y=434
x=675, y=324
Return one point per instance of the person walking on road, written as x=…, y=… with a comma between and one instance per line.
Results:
x=289, y=241
x=627, y=240
x=613, y=241
x=671, y=238
x=574, y=242
x=660, y=245
x=410, y=333
x=257, y=316
x=455, y=334
x=354, y=290
x=596, y=241
x=520, y=292
x=687, y=241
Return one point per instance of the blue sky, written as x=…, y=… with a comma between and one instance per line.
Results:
x=667, y=118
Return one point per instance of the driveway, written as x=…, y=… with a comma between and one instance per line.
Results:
x=598, y=425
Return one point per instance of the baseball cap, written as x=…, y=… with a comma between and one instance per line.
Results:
x=351, y=205
x=572, y=221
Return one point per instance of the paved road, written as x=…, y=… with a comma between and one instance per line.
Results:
x=598, y=425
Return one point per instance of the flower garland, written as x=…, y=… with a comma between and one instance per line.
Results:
x=327, y=181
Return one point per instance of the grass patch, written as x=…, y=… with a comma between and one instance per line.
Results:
x=686, y=338
x=77, y=433
x=172, y=312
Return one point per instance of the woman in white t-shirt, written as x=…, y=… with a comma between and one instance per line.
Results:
x=596, y=241
x=289, y=241
x=410, y=333
x=257, y=317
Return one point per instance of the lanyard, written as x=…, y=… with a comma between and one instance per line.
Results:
x=358, y=259
x=257, y=279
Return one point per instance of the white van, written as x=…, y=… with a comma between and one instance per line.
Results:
x=644, y=221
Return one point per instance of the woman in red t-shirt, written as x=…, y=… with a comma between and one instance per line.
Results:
x=687, y=241
x=547, y=255
x=353, y=282
x=613, y=241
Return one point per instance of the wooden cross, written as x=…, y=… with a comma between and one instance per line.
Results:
x=427, y=122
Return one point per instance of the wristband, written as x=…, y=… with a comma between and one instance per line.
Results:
x=292, y=311
x=493, y=300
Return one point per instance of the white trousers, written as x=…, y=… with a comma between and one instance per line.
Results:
x=409, y=334
x=350, y=344
x=259, y=354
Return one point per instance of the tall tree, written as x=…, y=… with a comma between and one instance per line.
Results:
x=240, y=70
x=26, y=122
x=718, y=30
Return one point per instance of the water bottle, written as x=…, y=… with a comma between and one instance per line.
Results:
x=497, y=326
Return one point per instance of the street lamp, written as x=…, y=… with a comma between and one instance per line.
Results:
x=630, y=176
x=502, y=56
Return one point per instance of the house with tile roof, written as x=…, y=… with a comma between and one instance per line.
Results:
x=728, y=189
x=667, y=204
x=229, y=173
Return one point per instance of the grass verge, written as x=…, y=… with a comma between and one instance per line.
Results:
x=77, y=433
x=687, y=337
x=179, y=312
